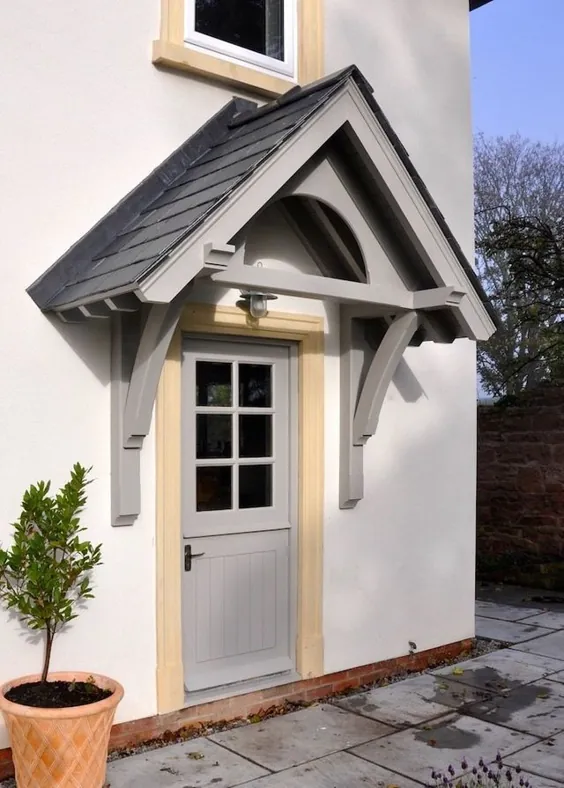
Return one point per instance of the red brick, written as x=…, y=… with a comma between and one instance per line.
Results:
x=343, y=684
x=317, y=693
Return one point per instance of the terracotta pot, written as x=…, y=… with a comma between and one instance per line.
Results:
x=67, y=748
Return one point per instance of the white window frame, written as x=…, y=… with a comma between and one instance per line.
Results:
x=236, y=54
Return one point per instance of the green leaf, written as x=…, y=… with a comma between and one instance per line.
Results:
x=45, y=572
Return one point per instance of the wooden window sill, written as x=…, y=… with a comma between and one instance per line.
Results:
x=183, y=58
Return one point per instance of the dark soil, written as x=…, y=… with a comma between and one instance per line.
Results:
x=57, y=694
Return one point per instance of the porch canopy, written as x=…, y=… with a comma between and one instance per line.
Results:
x=327, y=157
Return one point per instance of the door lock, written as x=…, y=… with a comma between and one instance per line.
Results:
x=188, y=556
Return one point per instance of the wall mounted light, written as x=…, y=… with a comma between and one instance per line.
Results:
x=255, y=302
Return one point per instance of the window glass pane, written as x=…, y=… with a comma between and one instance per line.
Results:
x=213, y=488
x=257, y=25
x=213, y=436
x=255, y=436
x=213, y=384
x=255, y=486
x=255, y=386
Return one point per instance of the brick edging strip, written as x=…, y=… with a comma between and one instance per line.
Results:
x=129, y=734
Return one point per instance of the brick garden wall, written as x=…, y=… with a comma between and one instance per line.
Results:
x=521, y=490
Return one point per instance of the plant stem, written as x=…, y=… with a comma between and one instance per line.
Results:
x=48, y=646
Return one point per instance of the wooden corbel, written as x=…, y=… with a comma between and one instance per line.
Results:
x=363, y=392
x=139, y=345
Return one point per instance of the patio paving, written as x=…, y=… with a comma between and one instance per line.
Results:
x=505, y=612
x=510, y=700
x=547, y=646
x=551, y=620
x=545, y=759
x=197, y=763
x=293, y=739
x=413, y=701
x=339, y=769
x=508, y=631
x=416, y=752
x=502, y=671
x=539, y=782
x=536, y=708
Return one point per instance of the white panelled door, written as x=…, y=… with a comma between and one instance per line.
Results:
x=237, y=510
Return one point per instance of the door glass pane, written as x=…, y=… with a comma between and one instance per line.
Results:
x=213, y=384
x=255, y=386
x=257, y=25
x=255, y=436
x=213, y=435
x=213, y=488
x=255, y=486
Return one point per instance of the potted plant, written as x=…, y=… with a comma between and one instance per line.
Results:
x=59, y=724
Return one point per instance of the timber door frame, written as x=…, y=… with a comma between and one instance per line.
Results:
x=308, y=332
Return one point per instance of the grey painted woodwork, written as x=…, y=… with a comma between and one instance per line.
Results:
x=140, y=341
x=380, y=374
x=235, y=613
x=351, y=473
x=363, y=390
x=238, y=510
x=313, y=286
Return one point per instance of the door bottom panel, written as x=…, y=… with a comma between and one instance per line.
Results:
x=236, y=608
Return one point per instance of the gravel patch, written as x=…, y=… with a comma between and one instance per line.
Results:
x=480, y=647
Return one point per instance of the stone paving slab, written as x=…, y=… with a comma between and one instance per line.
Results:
x=292, y=739
x=547, y=646
x=505, y=612
x=417, y=751
x=412, y=701
x=197, y=763
x=508, y=631
x=502, y=670
x=551, y=620
x=536, y=708
x=341, y=770
x=557, y=676
x=540, y=782
x=545, y=759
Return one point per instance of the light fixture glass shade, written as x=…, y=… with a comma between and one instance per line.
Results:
x=258, y=305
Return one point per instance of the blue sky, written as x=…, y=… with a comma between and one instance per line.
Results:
x=518, y=68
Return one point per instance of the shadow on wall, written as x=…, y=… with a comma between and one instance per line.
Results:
x=410, y=575
x=90, y=342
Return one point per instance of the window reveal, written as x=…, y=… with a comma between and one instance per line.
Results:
x=256, y=25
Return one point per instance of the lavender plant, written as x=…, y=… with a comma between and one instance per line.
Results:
x=482, y=775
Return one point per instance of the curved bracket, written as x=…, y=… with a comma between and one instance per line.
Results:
x=139, y=346
x=380, y=374
x=362, y=400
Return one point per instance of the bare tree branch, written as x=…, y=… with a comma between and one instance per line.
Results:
x=519, y=225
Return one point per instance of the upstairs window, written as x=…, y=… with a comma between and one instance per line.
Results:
x=258, y=32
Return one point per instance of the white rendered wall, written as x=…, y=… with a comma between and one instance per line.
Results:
x=84, y=117
x=400, y=566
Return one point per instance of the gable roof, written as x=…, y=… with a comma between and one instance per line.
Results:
x=138, y=234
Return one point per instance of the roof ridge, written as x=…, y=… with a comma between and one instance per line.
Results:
x=296, y=92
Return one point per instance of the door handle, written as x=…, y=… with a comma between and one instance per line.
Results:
x=188, y=556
